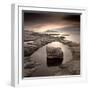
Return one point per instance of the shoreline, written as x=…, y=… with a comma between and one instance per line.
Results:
x=36, y=41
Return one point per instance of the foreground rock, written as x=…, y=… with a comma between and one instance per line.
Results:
x=29, y=68
x=54, y=56
x=69, y=68
x=72, y=67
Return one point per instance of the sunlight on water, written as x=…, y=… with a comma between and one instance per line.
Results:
x=71, y=34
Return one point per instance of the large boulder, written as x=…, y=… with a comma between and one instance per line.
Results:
x=54, y=56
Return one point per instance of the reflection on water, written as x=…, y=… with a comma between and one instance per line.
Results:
x=40, y=56
x=54, y=62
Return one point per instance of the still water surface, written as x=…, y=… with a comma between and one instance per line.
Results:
x=40, y=56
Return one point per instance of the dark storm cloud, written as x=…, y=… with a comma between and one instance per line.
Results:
x=72, y=18
x=41, y=17
x=37, y=20
x=53, y=16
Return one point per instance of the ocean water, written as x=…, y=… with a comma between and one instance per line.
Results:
x=72, y=34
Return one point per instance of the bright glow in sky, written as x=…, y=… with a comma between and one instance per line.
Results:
x=39, y=22
x=44, y=28
x=48, y=26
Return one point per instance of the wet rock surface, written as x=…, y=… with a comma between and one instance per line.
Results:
x=33, y=41
x=54, y=56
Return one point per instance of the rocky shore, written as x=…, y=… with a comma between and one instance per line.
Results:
x=72, y=67
x=33, y=41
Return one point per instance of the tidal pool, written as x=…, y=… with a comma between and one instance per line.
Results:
x=40, y=56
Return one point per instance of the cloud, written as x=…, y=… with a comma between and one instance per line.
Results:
x=41, y=22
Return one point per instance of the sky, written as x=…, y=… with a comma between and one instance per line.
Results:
x=44, y=21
